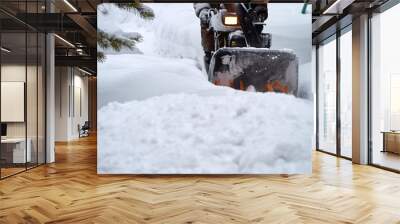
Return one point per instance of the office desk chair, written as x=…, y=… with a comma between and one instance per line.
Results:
x=84, y=130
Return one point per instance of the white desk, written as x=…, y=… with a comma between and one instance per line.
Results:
x=19, y=154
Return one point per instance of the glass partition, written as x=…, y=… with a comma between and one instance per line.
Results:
x=327, y=95
x=41, y=96
x=22, y=101
x=13, y=109
x=31, y=100
x=385, y=89
x=346, y=93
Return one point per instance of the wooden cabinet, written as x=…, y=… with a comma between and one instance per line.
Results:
x=391, y=142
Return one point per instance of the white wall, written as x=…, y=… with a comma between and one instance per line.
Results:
x=80, y=110
x=12, y=73
x=17, y=73
x=62, y=82
x=33, y=126
x=71, y=102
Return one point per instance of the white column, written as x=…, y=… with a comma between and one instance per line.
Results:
x=50, y=92
x=50, y=99
x=360, y=90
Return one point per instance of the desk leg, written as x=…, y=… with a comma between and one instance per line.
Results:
x=384, y=142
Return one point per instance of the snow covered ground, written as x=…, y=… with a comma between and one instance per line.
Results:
x=159, y=114
x=234, y=132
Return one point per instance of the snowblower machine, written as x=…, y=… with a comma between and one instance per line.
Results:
x=242, y=58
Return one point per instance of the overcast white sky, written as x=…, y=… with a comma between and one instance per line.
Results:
x=290, y=29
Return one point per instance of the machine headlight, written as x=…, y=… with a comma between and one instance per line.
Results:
x=230, y=20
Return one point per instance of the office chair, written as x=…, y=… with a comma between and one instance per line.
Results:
x=84, y=130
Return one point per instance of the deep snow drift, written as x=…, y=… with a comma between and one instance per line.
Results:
x=236, y=132
x=159, y=114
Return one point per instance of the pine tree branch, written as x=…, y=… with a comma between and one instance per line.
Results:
x=117, y=42
x=144, y=11
x=101, y=57
x=106, y=40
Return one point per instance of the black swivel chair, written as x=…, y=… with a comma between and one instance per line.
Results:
x=84, y=130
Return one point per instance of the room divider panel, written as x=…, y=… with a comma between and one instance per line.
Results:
x=22, y=77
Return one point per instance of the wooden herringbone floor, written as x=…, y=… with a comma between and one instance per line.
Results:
x=70, y=191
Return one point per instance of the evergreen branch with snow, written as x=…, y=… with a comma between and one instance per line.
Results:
x=144, y=11
x=116, y=42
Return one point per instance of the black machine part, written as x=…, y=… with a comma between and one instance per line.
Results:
x=264, y=69
x=250, y=31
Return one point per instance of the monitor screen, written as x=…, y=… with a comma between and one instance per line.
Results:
x=3, y=129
